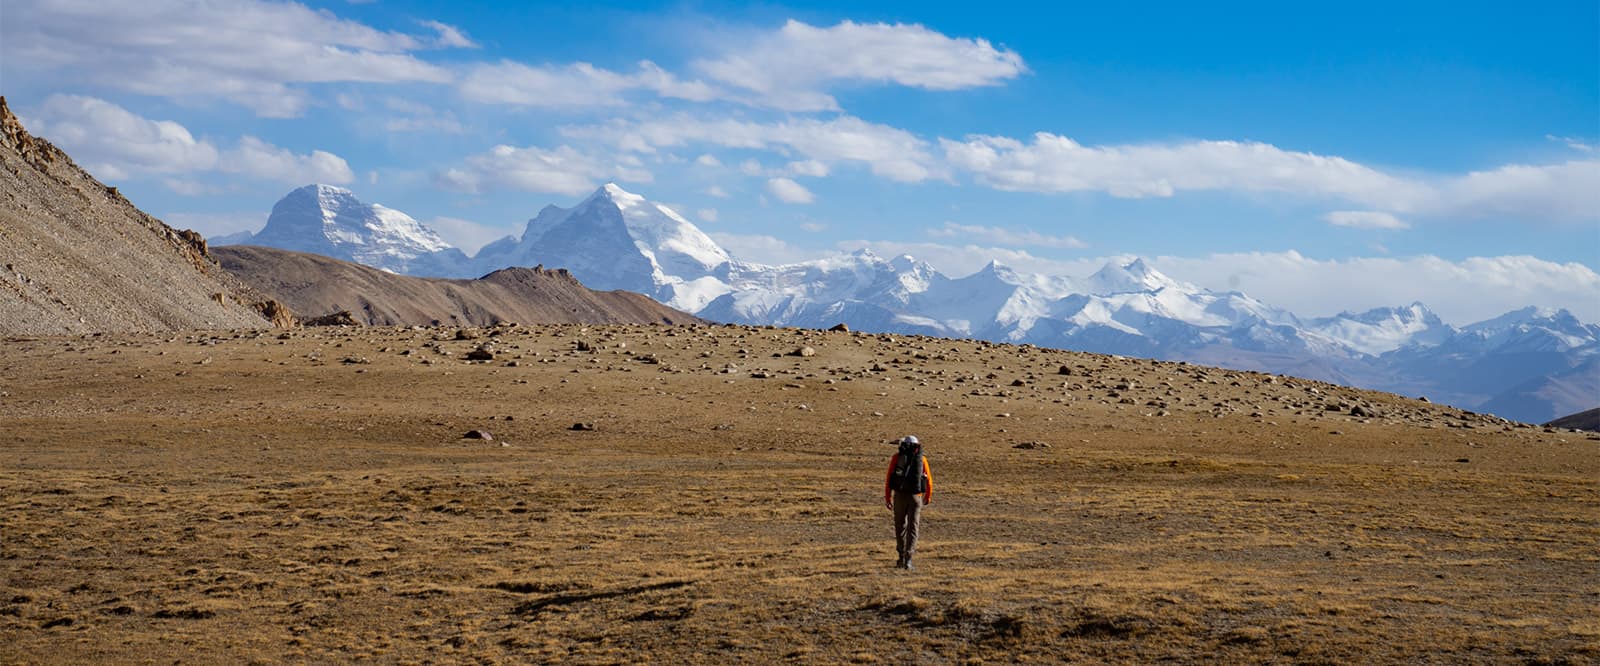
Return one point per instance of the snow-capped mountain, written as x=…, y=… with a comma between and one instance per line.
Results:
x=331, y=221
x=1530, y=364
x=617, y=240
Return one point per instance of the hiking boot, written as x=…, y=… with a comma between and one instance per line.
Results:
x=900, y=563
x=906, y=564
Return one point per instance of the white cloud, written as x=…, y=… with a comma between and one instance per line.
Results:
x=576, y=85
x=1566, y=191
x=1006, y=237
x=1461, y=292
x=251, y=52
x=259, y=159
x=707, y=214
x=1052, y=163
x=789, y=68
x=1576, y=144
x=789, y=191
x=116, y=144
x=810, y=168
x=465, y=234
x=761, y=249
x=564, y=170
x=887, y=151
x=813, y=227
x=708, y=160
x=450, y=37
x=717, y=191
x=1364, y=219
x=751, y=168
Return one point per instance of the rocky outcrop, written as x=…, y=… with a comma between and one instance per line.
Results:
x=81, y=258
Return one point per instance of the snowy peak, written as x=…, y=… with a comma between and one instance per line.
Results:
x=615, y=239
x=1381, y=330
x=1133, y=276
x=330, y=220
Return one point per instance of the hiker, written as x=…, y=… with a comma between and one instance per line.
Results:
x=906, y=489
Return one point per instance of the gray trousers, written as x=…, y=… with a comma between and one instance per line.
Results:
x=907, y=521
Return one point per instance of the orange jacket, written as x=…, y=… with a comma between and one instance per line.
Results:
x=927, y=495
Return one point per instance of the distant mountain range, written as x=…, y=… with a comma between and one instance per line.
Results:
x=315, y=285
x=1530, y=365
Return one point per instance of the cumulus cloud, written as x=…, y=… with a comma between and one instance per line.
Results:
x=789, y=191
x=576, y=85
x=790, y=68
x=1006, y=237
x=259, y=159
x=1364, y=219
x=1051, y=163
x=251, y=52
x=887, y=151
x=563, y=170
x=809, y=168
x=115, y=144
x=708, y=160
x=761, y=249
x=1566, y=191
x=717, y=191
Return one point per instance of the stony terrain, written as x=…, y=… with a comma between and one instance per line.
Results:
x=314, y=285
x=713, y=494
x=79, y=258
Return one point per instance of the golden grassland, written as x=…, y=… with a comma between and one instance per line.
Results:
x=250, y=497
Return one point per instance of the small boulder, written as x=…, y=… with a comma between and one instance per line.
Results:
x=478, y=434
x=1032, y=445
x=582, y=426
x=464, y=334
x=840, y=327
x=804, y=351
x=480, y=354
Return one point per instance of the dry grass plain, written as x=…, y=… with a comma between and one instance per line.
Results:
x=240, y=497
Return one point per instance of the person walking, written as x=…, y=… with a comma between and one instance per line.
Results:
x=906, y=489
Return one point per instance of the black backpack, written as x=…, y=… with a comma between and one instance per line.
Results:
x=907, y=476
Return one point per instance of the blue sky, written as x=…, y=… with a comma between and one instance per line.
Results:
x=1344, y=156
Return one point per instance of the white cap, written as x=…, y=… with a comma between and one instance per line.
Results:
x=909, y=439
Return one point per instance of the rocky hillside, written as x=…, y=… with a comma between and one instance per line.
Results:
x=314, y=285
x=80, y=258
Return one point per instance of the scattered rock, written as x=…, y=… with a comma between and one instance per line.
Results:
x=464, y=334
x=340, y=318
x=840, y=327
x=804, y=351
x=1032, y=445
x=582, y=426
x=478, y=434
x=480, y=354
x=1064, y=370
